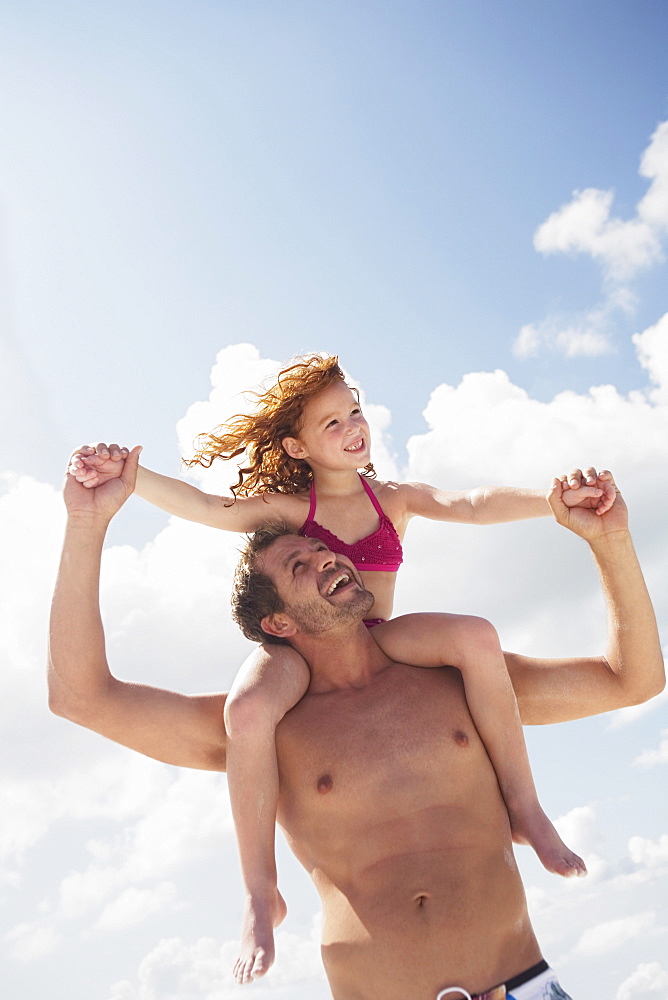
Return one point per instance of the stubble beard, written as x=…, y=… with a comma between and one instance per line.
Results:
x=315, y=617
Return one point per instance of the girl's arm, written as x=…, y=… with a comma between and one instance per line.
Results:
x=179, y=498
x=94, y=466
x=497, y=504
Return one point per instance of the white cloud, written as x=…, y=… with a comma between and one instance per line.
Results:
x=648, y=758
x=538, y=899
x=114, y=788
x=653, y=208
x=647, y=977
x=31, y=523
x=30, y=941
x=584, y=225
x=488, y=423
x=123, y=990
x=652, y=348
x=578, y=829
x=27, y=809
x=587, y=335
x=176, y=970
x=578, y=826
x=190, y=818
x=651, y=854
x=191, y=821
x=134, y=905
x=181, y=817
x=622, y=247
x=586, y=339
x=611, y=934
x=81, y=891
x=24, y=397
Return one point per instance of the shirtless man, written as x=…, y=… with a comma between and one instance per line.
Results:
x=387, y=795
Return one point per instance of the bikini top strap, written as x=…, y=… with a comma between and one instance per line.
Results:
x=372, y=497
x=311, y=510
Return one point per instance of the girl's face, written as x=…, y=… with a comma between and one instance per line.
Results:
x=334, y=433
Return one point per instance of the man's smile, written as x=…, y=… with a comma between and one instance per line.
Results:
x=339, y=579
x=338, y=582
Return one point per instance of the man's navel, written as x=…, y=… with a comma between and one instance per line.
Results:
x=421, y=898
x=325, y=784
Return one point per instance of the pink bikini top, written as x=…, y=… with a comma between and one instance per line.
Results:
x=380, y=551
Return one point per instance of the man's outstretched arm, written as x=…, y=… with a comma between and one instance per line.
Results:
x=632, y=670
x=174, y=728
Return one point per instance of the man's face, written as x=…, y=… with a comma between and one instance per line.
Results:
x=320, y=590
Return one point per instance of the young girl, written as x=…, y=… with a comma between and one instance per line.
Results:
x=303, y=446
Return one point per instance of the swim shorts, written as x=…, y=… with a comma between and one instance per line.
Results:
x=541, y=984
x=544, y=986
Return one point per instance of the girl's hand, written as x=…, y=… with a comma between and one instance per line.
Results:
x=582, y=518
x=591, y=489
x=101, y=501
x=94, y=465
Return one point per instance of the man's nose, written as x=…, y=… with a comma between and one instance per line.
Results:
x=324, y=558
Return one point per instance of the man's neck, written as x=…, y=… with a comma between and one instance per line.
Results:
x=342, y=658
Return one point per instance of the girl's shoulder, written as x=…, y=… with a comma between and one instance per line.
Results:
x=289, y=507
x=390, y=487
x=409, y=499
x=392, y=497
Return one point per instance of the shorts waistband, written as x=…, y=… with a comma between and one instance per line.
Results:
x=498, y=992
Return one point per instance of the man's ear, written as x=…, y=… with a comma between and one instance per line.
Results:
x=294, y=447
x=279, y=625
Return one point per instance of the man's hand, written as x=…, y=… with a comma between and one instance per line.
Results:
x=589, y=489
x=94, y=464
x=102, y=501
x=586, y=518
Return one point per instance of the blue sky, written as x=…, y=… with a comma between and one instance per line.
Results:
x=409, y=185
x=356, y=177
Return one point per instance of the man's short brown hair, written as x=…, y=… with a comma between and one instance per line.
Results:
x=254, y=595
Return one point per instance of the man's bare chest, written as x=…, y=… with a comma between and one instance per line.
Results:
x=404, y=742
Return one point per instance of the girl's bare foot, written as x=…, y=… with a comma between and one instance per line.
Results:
x=256, y=951
x=535, y=829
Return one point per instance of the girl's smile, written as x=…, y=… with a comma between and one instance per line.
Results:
x=356, y=447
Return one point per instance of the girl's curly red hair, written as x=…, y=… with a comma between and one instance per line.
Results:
x=260, y=434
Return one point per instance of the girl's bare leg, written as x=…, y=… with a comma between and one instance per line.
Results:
x=472, y=645
x=270, y=682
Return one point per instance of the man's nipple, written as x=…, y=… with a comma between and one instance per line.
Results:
x=325, y=784
x=461, y=738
